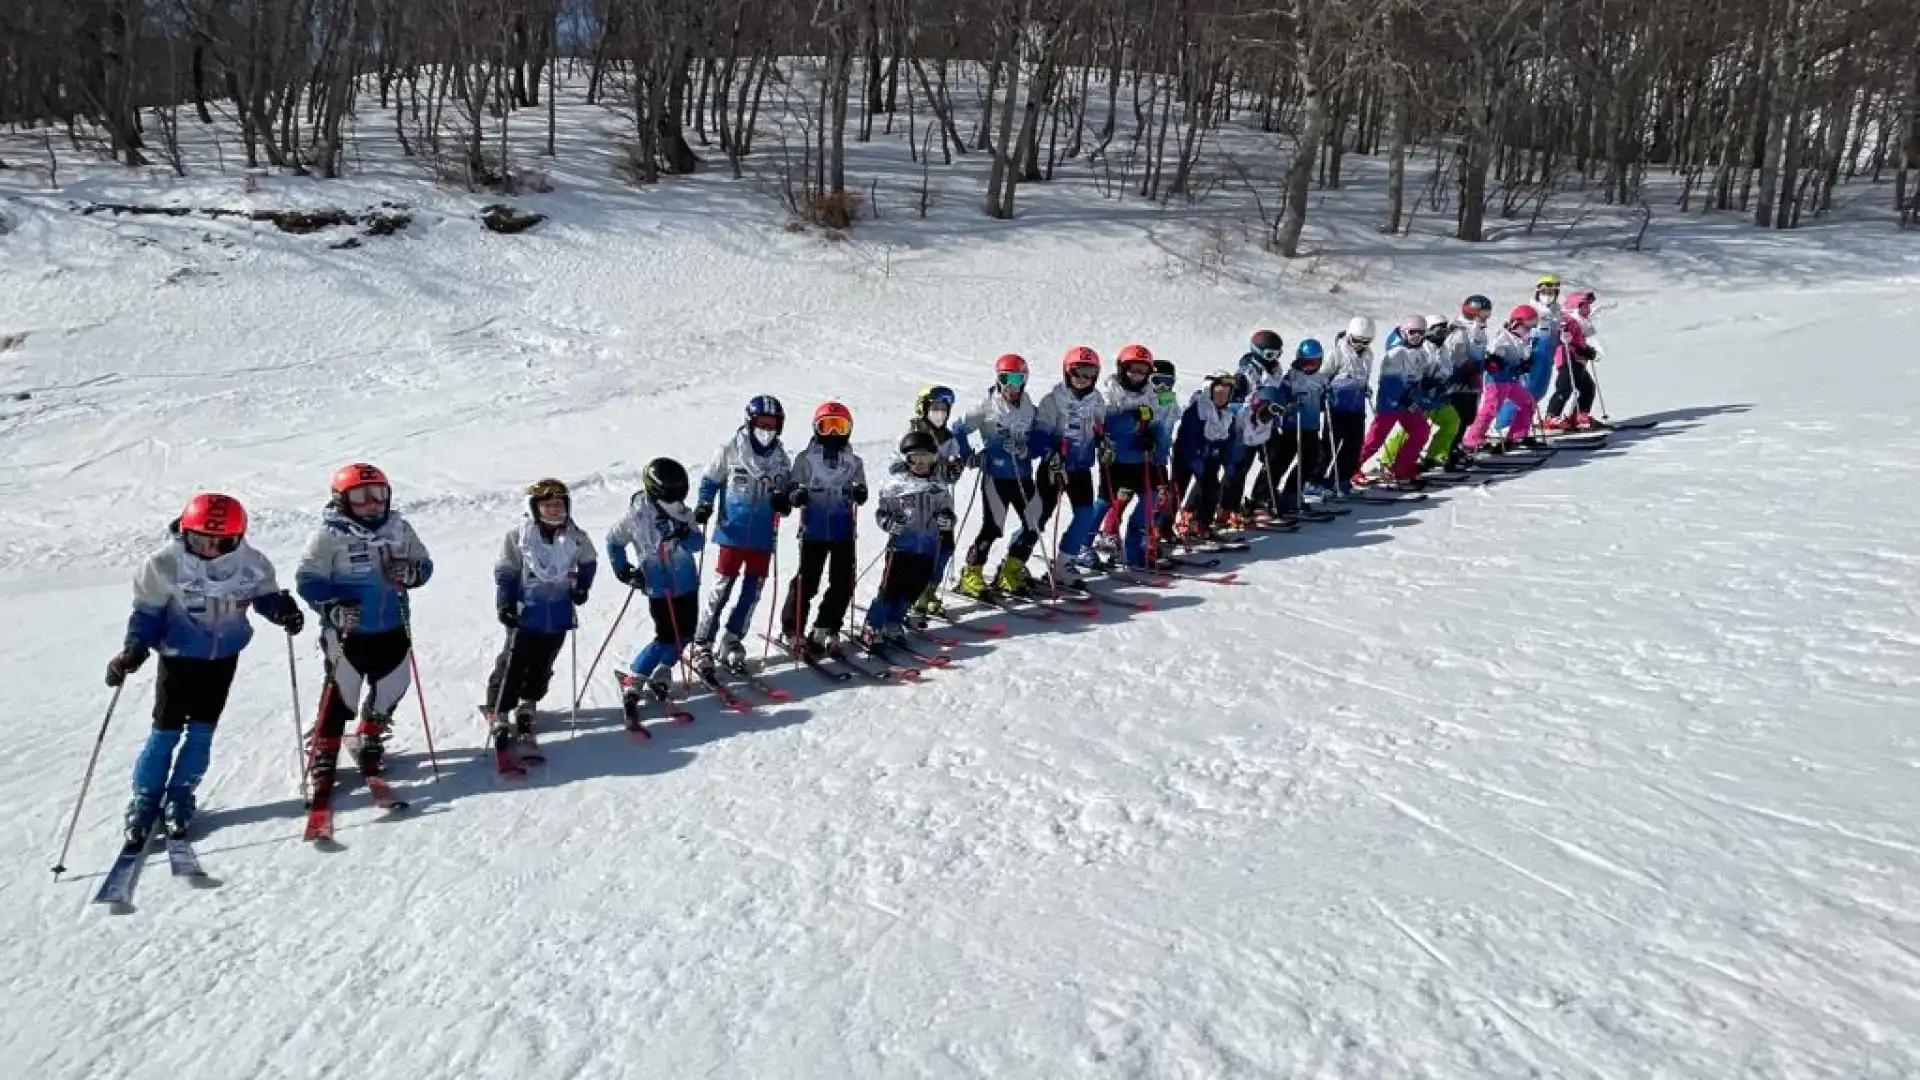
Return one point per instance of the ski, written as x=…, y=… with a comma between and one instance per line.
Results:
x=319, y=830
x=383, y=794
x=757, y=684
x=629, y=706
x=184, y=863
x=811, y=661
x=527, y=747
x=116, y=888
x=895, y=668
x=1104, y=597
x=991, y=599
x=507, y=765
x=710, y=677
x=995, y=629
x=1197, y=564
x=929, y=659
x=839, y=656
x=941, y=640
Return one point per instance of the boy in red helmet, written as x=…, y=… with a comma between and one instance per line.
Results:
x=829, y=487
x=190, y=604
x=356, y=573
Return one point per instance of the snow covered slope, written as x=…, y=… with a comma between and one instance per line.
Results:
x=1606, y=771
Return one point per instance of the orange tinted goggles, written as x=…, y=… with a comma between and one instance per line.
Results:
x=833, y=425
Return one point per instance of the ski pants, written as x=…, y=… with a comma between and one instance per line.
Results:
x=523, y=669
x=1277, y=490
x=188, y=697
x=1406, y=463
x=1517, y=421
x=1198, y=490
x=1348, y=431
x=1131, y=483
x=1573, y=379
x=1078, y=486
x=836, y=558
x=733, y=564
x=905, y=576
x=374, y=664
x=672, y=615
x=1000, y=498
x=1466, y=406
x=1493, y=397
x=1446, y=427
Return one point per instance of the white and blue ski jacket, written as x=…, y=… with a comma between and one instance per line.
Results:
x=195, y=608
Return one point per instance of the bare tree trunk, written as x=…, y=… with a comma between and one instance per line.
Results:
x=1313, y=131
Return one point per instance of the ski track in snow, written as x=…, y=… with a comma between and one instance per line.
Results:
x=1605, y=771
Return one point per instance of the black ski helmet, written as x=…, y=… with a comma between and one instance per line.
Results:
x=918, y=442
x=1268, y=346
x=665, y=480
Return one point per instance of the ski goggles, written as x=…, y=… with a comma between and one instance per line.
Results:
x=836, y=426
x=368, y=495
x=1013, y=378
x=766, y=422
x=1360, y=342
x=551, y=510
x=1162, y=382
x=923, y=459
x=1083, y=373
x=1271, y=356
x=207, y=546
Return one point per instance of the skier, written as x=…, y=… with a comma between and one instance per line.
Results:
x=1545, y=345
x=1253, y=424
x=542, y=576
x=1137, y=440
x=1301, y=393
x=1396, y=382
x=932, y=409
x=1509, y=359
x=1199, y=455
x=1068, y=426
x=1467, y=349
x=356, y=573
x=1261, y=363
x=1167, y=419
x=1431, y=397
x=664, y=538
x=190, y=602
x=752, y=480
x=1004, y=421
x=829, y=487
x=1573, y=374
x=916, y=510
x=1349, y=378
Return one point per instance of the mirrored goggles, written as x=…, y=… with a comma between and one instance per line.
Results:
x=1013, y=378
x=368, y=495
x=208, y=547
x=836, y=426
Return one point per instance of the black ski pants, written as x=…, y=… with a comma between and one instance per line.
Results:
x=836, y=558
x=523, y=669
x=1348, y=431
x=1002, y=498
x=1570, y=380
x=189, y=689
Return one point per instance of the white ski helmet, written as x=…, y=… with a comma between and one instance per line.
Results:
x=1361, y=328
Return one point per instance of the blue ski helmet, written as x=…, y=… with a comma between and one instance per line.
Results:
x=766, y=412
x=1310, y=349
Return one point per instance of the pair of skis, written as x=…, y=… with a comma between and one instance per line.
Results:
x=319, y=828
x=116, y=888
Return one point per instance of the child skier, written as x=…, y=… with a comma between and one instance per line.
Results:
x=1573, y=374
x=932, y=409
x=1545, y=346
x=915, y=508
x=1466, y=348
x=543, y=574
x=356, y=574
x=1396, y=397
x=190, y=602
x=829, y=487
x=1067, y=429
x=1295, y=444
x=1200, y=454
x=1431, y=398
x=1260, y=363
x=1509, y=359
x=1349, y=380
x=1137, y=441
x=1253, y=422
x=1004, y=422
x=663, y=537
x=751, y=479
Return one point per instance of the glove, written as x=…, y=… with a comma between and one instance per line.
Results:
x=1586, y=353
x=674, y=530
x=976, y=460
x=1144, y=416
x=288, y=615
x=944, y=520
x=509, y=612
x=1523, y=367
x=578, y=594
x=628, y=576
x=894, y=525
x=344, y=616
x=782, y=505
x=856, y=493
x=797, y=497
x=955, y=469
x=127, y=662
x=1106, y=452
x=407, y=575
x=702, y=511
x=1054, y=464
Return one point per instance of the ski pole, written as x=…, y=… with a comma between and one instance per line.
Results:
x=673, y=620
x=420, y=694
x=773, y=602
x=573, y=673
x=506, y=673
x=961, y=528
x=299, y=737
x=1599, y=395
x=60, y=864
x=580, y=691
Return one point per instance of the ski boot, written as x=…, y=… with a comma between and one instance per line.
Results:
x=179, y=814
x=1105, y=548
x=1558, y=423
x=928, y=605
x=1012, y=577
x=500, y=732
x=1458, y=462
x=523, y=716
x=371, y=754
x=733, y=654
x=973, y=581
x=822, y=642
x=1582, y=422
x=323, y=756
x=895, y=635
x=143, y=811
x=700, y=657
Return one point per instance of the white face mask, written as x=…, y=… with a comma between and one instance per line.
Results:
x=763, y=438
x=937, y=417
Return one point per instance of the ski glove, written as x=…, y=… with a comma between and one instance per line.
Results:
x=286, y=614
x=955, y=469
x=702, y=511
x=509, y=612
x=944, y=520
x=798, y=497
x=344, y=616
x=782, y=505
x=856, y=492
x=408, y=575
x=1055, y=464
x=894, y=525
x=578, y=594
x=126, y=663
x=976, y=460
x=628, y=576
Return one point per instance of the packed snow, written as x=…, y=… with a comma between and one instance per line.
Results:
x=1609, y=770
